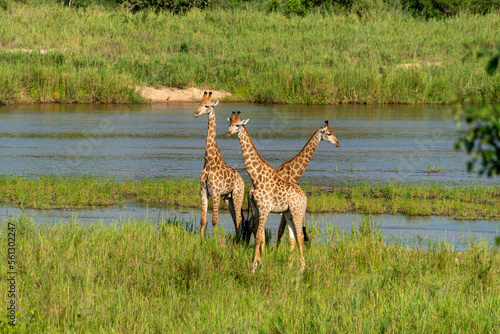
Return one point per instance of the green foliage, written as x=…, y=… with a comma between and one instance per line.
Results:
x=482, y=137
x=296, y=7
x=77, y=3
x=303, y=7
x=4, y=5
x=175, y=6
x=442, y=8
x=273, y=5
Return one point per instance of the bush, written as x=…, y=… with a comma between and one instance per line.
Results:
x=77, y=3
x=360, y=7
x=440, y=8
x=175, y=6
x=4, y=4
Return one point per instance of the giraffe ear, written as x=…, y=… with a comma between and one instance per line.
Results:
x=229, y=120
x=245, y=121
x=214, y=103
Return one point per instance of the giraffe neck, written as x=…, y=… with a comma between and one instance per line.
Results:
x=255, y=165
x=213, y=157
x=293, y=169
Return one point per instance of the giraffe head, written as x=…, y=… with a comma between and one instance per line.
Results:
x=327, y=135
x=235, y=124
x=206, y=105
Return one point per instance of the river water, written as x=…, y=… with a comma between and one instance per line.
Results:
x=378, y=144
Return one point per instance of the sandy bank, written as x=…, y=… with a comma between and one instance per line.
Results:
x=178, y=95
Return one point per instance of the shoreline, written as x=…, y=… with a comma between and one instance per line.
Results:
x=168, y=94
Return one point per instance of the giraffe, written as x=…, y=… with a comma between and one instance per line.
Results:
x=271, y=193
x=292, y=171
x=217, y=178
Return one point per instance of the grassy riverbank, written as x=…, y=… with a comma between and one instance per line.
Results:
x=381, y=57
x=130, y=276
x=45, y=192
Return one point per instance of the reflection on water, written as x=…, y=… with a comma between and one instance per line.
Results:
x=397, y=228
x=378, y=143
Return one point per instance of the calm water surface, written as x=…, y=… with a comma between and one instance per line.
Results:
x=378, y=144
x=402, y=229
x=164, y=140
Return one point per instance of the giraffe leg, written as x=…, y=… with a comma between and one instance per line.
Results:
x=260, y=240
x=298, y=218
x=237, y=198
x=291, y=234
x=215, y=206
x=281, y=229
x=235, y=213
x=230, y=206
x=204, y=209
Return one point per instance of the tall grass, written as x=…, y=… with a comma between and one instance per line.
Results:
x=128, y=277
x=384, y=57
x=56, y=192
x=461, y=202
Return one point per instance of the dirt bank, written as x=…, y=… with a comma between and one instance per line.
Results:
x=178, y=95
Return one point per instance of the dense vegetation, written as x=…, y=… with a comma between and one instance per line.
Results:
x=422, y=8
x=381, y=54
x=482, y=135
x=134, y=276
x=54, y=192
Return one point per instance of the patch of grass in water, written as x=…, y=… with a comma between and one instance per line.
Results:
x=56, y=192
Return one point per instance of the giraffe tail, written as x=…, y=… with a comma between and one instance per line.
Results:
x=306, y=237
x=245, y=226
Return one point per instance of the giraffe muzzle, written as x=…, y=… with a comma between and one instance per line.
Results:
x=228, y=134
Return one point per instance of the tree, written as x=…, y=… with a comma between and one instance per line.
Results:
x=481, y=139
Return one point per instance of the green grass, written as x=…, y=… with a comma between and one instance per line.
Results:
x=386, y=56
x=56, y=192
x=130, y=276
x=460, y=202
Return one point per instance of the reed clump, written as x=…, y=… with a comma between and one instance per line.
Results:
x=383, y=56
x=459, y=202
x=147, y=277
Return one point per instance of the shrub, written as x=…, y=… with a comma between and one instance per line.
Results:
x=4, y=4
x=175, y=6
x=77, y=3
x=440, y=8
